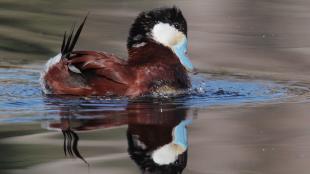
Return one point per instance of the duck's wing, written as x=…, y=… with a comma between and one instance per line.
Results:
x=100, y=64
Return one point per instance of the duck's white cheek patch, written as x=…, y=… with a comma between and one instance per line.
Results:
x=166, y=34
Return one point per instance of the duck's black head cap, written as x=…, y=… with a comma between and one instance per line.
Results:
x=140, y=31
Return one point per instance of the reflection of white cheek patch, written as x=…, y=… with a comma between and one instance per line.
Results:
x=166, y=34
x=165, y=155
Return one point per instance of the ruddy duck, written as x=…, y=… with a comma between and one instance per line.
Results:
x=157, y=61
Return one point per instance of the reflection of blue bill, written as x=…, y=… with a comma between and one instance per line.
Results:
x=180, y=133
x=169, y=153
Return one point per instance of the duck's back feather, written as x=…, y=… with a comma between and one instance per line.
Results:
x=89, y=73
x=102, y=64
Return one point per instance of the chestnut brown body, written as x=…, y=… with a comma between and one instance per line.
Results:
x=148, y=69
x=154, y=63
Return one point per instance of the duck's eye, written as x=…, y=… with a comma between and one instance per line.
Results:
x=177, y=25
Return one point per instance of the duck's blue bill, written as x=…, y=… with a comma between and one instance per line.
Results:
x=181, y=50
x=180, y=134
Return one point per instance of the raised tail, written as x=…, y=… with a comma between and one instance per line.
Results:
x=69, y=43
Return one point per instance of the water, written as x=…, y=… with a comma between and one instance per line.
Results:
x=21, y=90
x=247, y=111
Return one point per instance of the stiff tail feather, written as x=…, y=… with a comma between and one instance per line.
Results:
x=69, y=42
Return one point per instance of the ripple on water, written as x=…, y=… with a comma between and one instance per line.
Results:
x=21, y=98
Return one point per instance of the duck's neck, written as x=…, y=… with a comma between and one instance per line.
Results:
x=164, y=65
x=151, y=53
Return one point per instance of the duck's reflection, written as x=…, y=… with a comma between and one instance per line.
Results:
x=157, y=148
x=157, y=139
x=70, y=145
x=156, y=134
